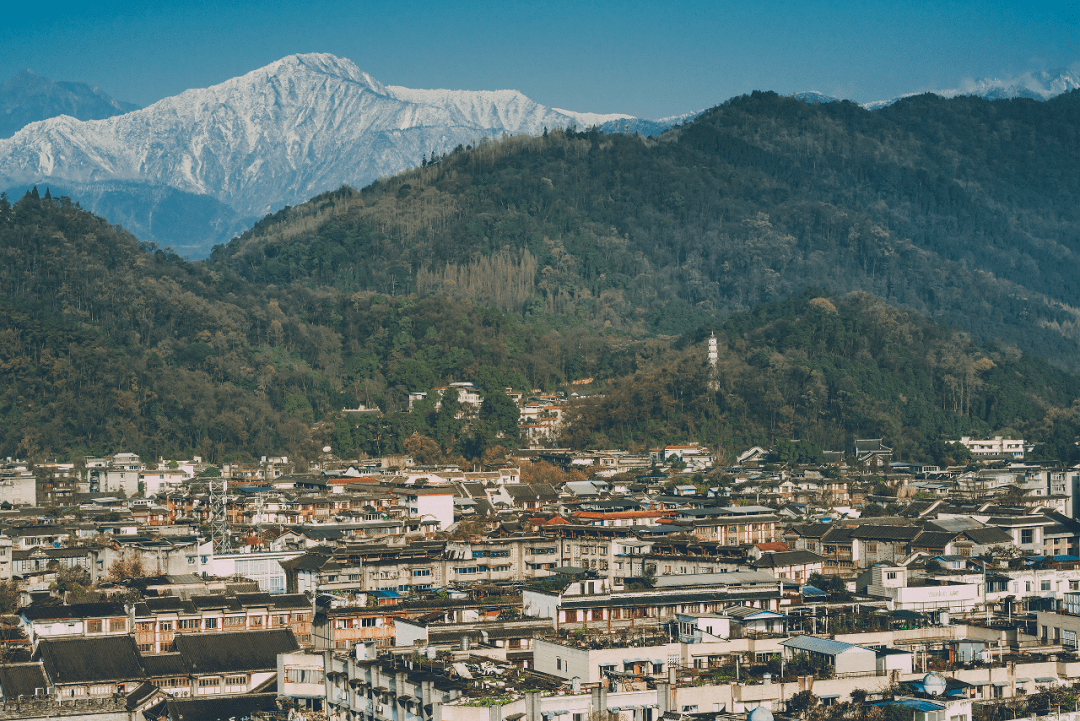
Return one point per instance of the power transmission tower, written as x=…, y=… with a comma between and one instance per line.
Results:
x=219, y=517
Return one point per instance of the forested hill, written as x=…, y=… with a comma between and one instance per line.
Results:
x=110, y=344
x=963, y=209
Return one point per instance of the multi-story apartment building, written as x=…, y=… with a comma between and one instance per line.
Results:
x=79, y=620
x=202, y=665
x=996, y=447
x=591, y=603
x=160, y=621
x=382, y=690
x=419, y=566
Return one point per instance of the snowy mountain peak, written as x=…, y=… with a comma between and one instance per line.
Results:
x=1040, y=85
x=274, y=136
x=308, y=64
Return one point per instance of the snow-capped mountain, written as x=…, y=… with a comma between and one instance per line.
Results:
x=28, y=97
x=278, y=135
x=813, y=97
x=1041, y=85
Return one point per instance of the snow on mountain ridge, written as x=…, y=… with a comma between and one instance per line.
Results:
x=276, y=135
x=1042, y=85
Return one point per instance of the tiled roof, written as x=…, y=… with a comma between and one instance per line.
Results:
x=75, y=610
x=783, y=559
x=886, y=533
x=218, y=708
x=162, y=665
x=243, y=651
x=22, y=679
x=90, y=660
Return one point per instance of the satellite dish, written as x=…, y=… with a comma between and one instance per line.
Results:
x=934, y=684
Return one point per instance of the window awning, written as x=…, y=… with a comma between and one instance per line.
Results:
x=1023, y=680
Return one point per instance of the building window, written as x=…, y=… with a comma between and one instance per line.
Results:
x=367, y=623
x=209, y=685
x=1027, y=535
x=558, y=663
x=93, y=626
x=1045, y=586
x=187, y=624
x=211, y=623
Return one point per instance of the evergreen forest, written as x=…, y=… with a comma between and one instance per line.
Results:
x=907, y=273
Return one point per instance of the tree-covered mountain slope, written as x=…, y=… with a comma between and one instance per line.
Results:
x=963, y=209
x=825, y=370
x=535, y=261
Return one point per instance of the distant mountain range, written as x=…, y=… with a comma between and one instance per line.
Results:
x=276, y=136
x=217, y=158
x=1035, y=86
x=28, y=97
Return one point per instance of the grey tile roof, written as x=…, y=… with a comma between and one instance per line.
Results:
x=22, y=679
x=219, y=708
x=782, y=559
x=239, y=652
x=162, y=665
x=934, y=539
x=75, y=610
x=90, y=660
x=886, y=533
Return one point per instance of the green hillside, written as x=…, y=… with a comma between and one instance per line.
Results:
x=792, y=231
x=963, y=209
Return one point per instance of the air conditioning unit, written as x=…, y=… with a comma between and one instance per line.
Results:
x=378, y=708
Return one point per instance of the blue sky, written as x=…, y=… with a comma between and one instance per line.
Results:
x=646, y=59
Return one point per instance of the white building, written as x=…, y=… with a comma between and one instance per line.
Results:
x=263, y=568
x=428, y=508
x=993, y=447
x=18, y=487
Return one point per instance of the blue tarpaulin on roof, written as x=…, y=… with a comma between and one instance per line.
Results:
x=385, y=593
x=916, y=704
x=812, y=591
